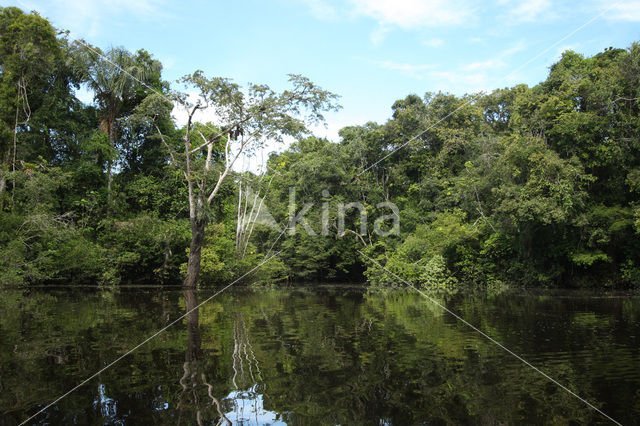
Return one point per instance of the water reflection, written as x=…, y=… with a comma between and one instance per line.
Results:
x=247, y=405
x=307, y=356
x=107, y=406
x=248, y=408
x=195, y=375
x=239, y=407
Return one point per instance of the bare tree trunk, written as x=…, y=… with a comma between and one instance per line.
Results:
x=239, y=221
x=195, y=252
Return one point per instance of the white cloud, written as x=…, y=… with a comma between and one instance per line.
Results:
x=477, y=76
x=476, y=40
x=515, y=48
x=628, y=11
x=335, y=123
x=254, y=161
x=498, y=61
x=88, y=18
x=483, y=65
x=433, y=42
x=322, y=9
x=390, y=14
x=406, y=68
x=250, y=160
x=470, y=81
x=204, y=115
x=555, y=55
x=413, y=70
x=168, y=62
x=469, y=77
x=526, y=11
x=411, y=14
x=563, y=48
x=84, y=94
x=379, y=34
x=460, y=82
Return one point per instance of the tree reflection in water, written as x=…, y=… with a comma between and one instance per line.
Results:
x=247, y=405
x=244, y=405
x=194, y=373
x=317, y=356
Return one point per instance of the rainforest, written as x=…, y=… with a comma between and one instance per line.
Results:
x=524, y=186
x=191, y=251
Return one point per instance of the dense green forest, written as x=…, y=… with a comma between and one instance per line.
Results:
x=522, y=186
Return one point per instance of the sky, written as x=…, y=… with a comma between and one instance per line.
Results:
x=370, y=52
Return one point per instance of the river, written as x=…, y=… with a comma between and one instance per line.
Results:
x=323, y=355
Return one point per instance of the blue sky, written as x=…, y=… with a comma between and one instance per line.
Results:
x=371, y=52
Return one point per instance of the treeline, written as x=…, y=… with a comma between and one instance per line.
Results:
x=530, y=186
x=522, y=186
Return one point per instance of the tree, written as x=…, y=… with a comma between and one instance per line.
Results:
x=28, y=50
x=245, y=121
x=117, y=78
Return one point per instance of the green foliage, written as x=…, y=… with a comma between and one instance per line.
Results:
x=420, y=259
x=220, y=264
x=37, y=243
x=525, y=185
x=589, y=258
x=144, y=248
x=630, y=272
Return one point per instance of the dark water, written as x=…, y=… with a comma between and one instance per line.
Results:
x=331, y=356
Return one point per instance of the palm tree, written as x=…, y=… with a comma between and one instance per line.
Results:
x=116, y=77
